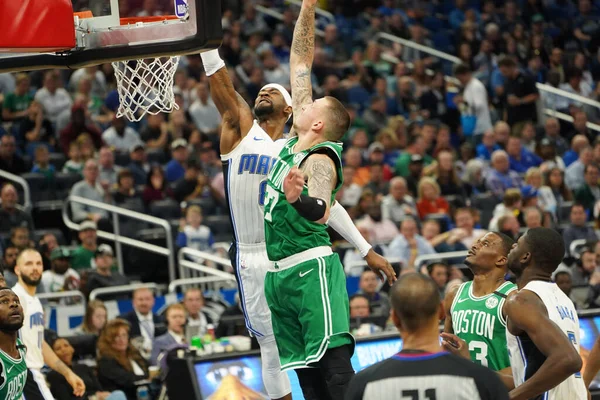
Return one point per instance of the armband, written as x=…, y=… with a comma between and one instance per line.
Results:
x=212, y=61
x=311, y=208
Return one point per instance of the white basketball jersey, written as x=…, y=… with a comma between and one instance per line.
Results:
x=32, y=332
x=245, y=170
x=526, y=359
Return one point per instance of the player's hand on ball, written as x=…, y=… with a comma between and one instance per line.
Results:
x=380, y=266
x=455, y=345
x=76, y=383
x=293, y=184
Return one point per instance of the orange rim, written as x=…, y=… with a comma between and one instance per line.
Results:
x=134, y=20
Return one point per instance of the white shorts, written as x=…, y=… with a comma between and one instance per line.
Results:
x=39, y=389
x=251, y=264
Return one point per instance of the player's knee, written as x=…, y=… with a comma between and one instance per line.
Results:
x=276, y=381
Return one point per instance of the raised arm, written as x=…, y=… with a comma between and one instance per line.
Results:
x=52, y=360
x=235, y=112
x=302, y=55
x=526, y=313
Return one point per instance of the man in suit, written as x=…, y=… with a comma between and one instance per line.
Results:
x=175, y=315
x=144, y=323
x=193, y=300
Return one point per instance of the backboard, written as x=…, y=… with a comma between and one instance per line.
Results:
x=79, y=33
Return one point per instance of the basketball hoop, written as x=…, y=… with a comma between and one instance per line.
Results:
x=145, y=86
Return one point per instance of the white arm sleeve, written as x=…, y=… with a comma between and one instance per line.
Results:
x=341, y=222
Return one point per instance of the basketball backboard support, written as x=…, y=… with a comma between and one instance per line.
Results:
x=102, y=31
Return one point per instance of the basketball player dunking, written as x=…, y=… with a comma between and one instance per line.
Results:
x=249, y=149
x=546, y=365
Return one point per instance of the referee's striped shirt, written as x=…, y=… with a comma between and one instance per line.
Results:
x=412, y=375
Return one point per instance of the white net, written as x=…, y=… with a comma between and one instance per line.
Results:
x=145, y=86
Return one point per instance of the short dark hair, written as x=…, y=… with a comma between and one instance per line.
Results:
x=585, y=170
x=546, y=246
x=338, y=120
x=561, y=273
x=462, y=69
x=507, y=61
x=415, y=299
x=431, y=266
x=507, y=242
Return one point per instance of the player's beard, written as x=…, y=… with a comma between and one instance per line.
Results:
x=11, y=327
x=30, y=281
x=264, y=111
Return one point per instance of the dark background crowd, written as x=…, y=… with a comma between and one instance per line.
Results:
x=442, y=147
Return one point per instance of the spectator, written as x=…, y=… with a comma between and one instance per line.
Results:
x=94, y=319
x=192, y=233
x=509, y=225
x=120, y=136
x=103, y=276
x=584, y=269
x=578, y=143
x=126, y=195
x=377, y=183
x=375, y=117
x=77, y=127
x=175, y=335
x=575, y=173
x=194, y=302
x=487, y=146
x=350, y=192
x=430, y=200
x=74, y=164
x=9, y=260
x=578, y=229
x=439, y=272
x=474, y=97
x=465, y=221
x=380, y=230
x=19, y=237
x=138, y=166
x=54, y=100
x=521, y=94
x=444, y=242
x=564, y=281
x=512, y=202
x=192, y=185
x=89, y=188
x=417, y=35
x=16, y=104
x=589, y=193
x=473, y=179
x=359, y=306
x=552, y=132
x=176, y=168
x=409, y=244
x=42, y=163
x=580, y=127
x=60, y=388
x=546, y=199
x=11, y=215
x=46, y=245
x=156, y=186
x=397, y=204
x=145, y=324
x=155, y=134
x=500, y=178
x=203, y=111
x=433, y=101
x=10, y=161
x=534, y=218
x=520, y=159
x=108, y=170
x=547, y=151
x=120, y=365
x=61, y=277
x=446, y=175
x=251, y=22
x=554, y=179
x=416, y=147
x=379, y=302
x=35, y=129
x=501, y=134
x=81, y=257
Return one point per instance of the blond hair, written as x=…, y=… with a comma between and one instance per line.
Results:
x=428, y=181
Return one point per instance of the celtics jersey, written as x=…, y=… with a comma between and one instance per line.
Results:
x=479, y=322
x=286, y=232
x=13, y=374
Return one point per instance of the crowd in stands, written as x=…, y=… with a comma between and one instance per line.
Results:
x=437, y=154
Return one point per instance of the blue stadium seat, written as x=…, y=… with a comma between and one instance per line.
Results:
x=442, y=41
x=40, y=188
x=165, y=209
x=64, y=181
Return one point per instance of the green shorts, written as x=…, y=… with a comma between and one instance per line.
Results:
x=309, y=310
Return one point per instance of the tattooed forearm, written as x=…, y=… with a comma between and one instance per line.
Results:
x=303, y=43
x=321, y=177
x=301, y=89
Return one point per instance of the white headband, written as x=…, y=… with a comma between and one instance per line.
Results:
x=281, y=89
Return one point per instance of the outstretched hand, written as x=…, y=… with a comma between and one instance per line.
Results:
x=76, y=383
x=380, y=266
x=293, y=184
x=455, y=345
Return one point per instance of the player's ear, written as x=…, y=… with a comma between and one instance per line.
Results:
x=288, y=111
x=395, y=319
x=525, y=258
x=318, y=126
x=501, y=262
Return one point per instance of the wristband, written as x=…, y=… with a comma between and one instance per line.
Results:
x=212, y=61
x=311, y=208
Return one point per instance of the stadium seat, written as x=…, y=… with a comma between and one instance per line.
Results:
x=165, y=209
x=208, y=205
x=64, y=181
x=58, y=160
x=442, y=41
x=40, y=187
x=39, y=233
x=122, y=159
x=156, y=156
x=48, y=214
x=485, y=203
x=564, y=211
x=220, y=225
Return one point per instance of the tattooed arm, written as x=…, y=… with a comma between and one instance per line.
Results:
x=302, y=55
x=235, y=113
x=321, y=180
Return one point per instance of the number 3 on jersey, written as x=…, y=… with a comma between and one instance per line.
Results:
x=480, y=349
x=271, y=197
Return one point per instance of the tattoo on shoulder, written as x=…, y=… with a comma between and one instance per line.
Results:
x=321, y=178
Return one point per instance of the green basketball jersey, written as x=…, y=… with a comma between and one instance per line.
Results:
x=13, y=374
x=286, y=232
x=479, y=322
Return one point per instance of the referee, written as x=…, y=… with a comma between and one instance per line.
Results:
x=422, y=370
